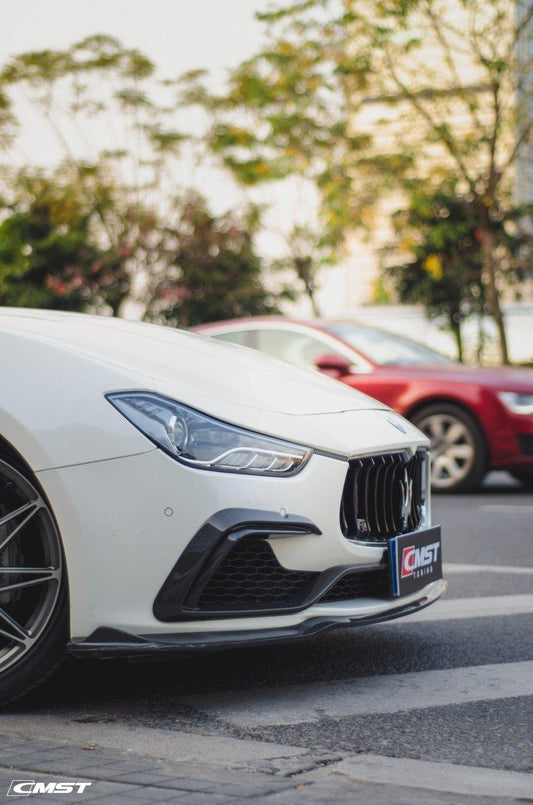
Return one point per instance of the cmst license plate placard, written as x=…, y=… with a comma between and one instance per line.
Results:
x=415, y=560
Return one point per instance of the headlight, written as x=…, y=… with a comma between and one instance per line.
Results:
x=516, y=402
x=205, y=443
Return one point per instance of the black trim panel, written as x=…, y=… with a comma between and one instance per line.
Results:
x=178, y=597
x=107, y=643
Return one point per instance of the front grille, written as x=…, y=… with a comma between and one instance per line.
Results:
x=357, y=584
x=383, y=496
x=250, y=577
x=525, y=440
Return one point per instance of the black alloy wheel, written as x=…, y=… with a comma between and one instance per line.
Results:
x=33, y=585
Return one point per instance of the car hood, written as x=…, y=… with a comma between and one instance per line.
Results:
x=508, y=378
x=78, y=359
x=194, y=367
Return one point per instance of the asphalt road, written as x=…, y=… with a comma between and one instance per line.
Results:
x=453, y=689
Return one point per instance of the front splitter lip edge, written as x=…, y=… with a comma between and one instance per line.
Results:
x=110, y=643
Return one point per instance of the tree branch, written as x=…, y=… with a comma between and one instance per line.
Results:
x=521, y=139
x=435, y=23
x=414, y=100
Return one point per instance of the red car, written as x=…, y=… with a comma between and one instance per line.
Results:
x=476, y=419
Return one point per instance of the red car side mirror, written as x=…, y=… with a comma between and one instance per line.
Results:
x=333, y=365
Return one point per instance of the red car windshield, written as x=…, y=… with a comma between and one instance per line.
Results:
x=384, y=348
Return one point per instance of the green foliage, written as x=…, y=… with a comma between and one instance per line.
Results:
x=99, y=85
x=94, y=234
x=440, y=231
x=213, y=271
x=286, y=111
x=303, y=105
x=48, y=257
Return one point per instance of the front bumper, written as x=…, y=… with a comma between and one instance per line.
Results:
x=125, y=522
x=107, y=643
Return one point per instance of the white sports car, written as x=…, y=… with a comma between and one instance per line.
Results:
x=162, y=492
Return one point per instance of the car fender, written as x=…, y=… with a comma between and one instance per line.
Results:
x=53, y=410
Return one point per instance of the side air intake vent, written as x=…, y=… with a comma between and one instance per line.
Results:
x=250, y=578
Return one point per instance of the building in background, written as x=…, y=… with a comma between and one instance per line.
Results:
x=524, y=172
x=361, y=269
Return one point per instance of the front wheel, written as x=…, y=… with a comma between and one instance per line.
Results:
x=459, y=456
x=33, y=588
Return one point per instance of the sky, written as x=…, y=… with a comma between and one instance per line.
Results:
x=177, y=34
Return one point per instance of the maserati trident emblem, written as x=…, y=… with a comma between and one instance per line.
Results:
x=406, y=486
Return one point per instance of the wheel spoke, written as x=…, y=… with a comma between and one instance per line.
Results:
x=464, y=451
x=30, y=584
x=455, y=433
x=32, y=507
x=434, y=427
x=7, y=517
x=46, y=575
x=10, y=628
x=437, y=469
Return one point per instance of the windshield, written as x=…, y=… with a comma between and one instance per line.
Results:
x=385, y=348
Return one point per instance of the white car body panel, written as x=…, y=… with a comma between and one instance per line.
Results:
x=65, y=357
x=118, y=524
x=125, y=509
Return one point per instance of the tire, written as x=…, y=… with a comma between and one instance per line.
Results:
x=34, y=600
x=459, y=454
x=524, y=476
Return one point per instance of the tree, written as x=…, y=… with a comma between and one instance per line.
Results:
x=47, y=258
x=306, y=254
x=98, y=98
x=54, y=248
x=440, y=231
x=300, y=106
x=212, y=270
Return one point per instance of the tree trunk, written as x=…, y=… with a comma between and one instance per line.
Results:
x=455, y=327
x=480, y=351
x=311, y=294
x=488, y=247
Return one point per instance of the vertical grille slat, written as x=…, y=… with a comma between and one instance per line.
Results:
x=383, y=496
x=399, y=466
x=368, y=497
x=379, y=508
x=414, y=514
x=388, y=497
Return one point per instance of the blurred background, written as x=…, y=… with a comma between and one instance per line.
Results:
x=186, y=163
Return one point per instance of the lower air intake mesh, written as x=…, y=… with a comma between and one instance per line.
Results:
x=250, y=577
x=370, y=584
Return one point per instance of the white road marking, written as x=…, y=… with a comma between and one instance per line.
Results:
x=449, y=777
x=461, y=608
x=506, y=508
x=295, y=704
x=451, y=567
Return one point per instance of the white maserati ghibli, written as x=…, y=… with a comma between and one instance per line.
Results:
x=162, y=492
